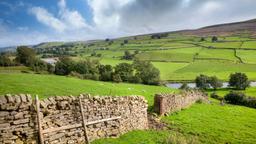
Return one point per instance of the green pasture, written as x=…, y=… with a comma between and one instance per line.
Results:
x=213, y=123
x=220, y=69
x=201, y=123
x=217, y=54
x=14, y=69
x=247, y=56
x=52, y=85
x=174, y=55
x=222, y=44
x=249, y=45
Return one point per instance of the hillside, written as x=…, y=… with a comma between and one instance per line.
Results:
x=226, y=29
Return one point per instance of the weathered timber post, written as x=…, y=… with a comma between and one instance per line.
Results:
x=84, y=123
x=39, y=121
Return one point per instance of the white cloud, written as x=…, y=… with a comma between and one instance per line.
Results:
x=48, y=19
x=72, y=18
x=66, y=20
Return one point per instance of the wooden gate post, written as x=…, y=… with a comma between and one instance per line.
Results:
x=84, y=123
x=39, y=121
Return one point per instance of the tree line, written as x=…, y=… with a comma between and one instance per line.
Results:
x=138, y=72
x=238, y=81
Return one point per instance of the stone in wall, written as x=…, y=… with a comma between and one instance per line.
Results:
x=168, y=103
x=18, y=119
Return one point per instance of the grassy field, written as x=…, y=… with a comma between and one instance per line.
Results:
x=251, y=91
x=180, y=57
x=176, y=55
x=201, y=123
x=50, y=85
x=247, y=56
x=13, y=69
x=217, y=54
x=249, y=44
x=223, y=44
x=213, y=123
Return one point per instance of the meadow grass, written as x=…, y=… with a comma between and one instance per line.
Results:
x=14, y=69
x=251, y=91
x=181, y=54
x=52, y=85
x=223, y=44
x=202, y=123
x=249, y=44
x=247, y=56
x=220, y=69
x=217, y=54
x=213, y=123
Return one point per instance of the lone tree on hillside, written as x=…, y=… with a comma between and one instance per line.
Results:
x=239, y=81
x=214, y=39
x=127, y=55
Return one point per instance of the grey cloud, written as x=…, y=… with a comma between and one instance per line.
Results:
x=143, y=16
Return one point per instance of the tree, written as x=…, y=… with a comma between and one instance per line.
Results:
x=215, y=82
x=38, y=65
x=125, y=71
x=239, y=81
x=25, y=55
x=147, y=72
x=64, y=66
x=93, y=53
x=127, y=55
x=105, y=72
x=202, y=82
x=5, y=60
x=202, y=39
x=214, y=39
x=116, y=78
x=126, y=41
x=136, y=52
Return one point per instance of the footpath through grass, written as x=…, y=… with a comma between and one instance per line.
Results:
x=52, y=85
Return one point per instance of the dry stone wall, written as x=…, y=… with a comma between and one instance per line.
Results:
x=18, y=120
x=168, y=103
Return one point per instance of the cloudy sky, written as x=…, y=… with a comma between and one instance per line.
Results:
x=35, y=21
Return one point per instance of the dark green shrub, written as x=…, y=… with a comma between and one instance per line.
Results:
x=239, y=81
x=235, y=98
